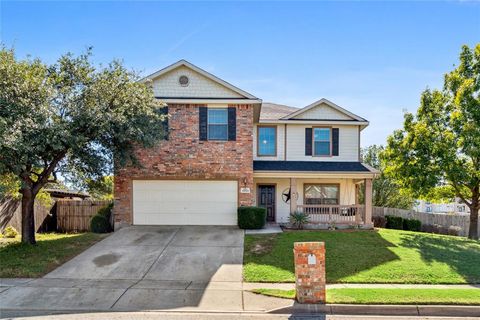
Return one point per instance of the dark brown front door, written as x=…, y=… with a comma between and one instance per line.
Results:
x=266, y=199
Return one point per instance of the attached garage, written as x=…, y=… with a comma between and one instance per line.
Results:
x=185, y=202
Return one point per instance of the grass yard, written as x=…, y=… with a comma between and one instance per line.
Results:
x=18, y=260
x=390, y=296
x=380, y=256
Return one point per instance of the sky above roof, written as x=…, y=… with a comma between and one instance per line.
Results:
x=372, y=58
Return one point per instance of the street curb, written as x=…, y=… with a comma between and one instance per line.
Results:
x=394, y=310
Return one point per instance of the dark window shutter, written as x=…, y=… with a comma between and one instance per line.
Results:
x=164, y=111
x=203, y=122
x=335, y=141
x=308, y=141
x=232, y=123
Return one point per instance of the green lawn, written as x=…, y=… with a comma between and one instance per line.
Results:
x=381, y=256
x=390, y=296
x=18, y=260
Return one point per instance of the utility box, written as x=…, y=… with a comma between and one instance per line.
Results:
x=310, y=281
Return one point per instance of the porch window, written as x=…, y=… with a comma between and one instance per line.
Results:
x=322, y=141
x=321, y=193
x=267, y=141
x=217, y=124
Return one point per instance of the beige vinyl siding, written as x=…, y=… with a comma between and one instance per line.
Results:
x=347, y=192
x=280, y=143
x=323, y=112
x=348, y=144
x=199, y=86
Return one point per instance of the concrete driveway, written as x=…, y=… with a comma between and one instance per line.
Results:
x=144, y=268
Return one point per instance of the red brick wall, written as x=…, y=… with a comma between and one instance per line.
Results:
x=183, y=156
x=309, y=278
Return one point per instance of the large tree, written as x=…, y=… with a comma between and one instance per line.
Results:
x=440, y=145
x=386, y=192
x=70, y=117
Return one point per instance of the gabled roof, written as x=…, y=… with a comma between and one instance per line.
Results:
x=273, y=111
x=204, y=73
x=292, y=115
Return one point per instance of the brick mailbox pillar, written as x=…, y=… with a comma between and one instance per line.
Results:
x=309, y=260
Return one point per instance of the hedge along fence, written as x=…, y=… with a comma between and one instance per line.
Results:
x=445, y=220
x=75, y=215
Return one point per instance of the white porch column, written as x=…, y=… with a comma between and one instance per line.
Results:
x=368, y=203
x=293, y=195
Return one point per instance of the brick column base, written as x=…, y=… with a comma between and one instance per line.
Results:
x=309, y=260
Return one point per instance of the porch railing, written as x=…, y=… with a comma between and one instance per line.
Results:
x=326, y=214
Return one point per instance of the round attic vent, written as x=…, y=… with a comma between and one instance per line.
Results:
x=183, y=80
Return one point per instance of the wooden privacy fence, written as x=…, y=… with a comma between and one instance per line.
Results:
x=75, y=215
x=11, y=214
x=446, y=220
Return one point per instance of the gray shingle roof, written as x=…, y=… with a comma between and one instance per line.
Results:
x=273, y=111
x=332, y=166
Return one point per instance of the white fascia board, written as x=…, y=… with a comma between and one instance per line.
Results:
x=328, y=103
x=313, y=175
x=211, y=101
x=336, y=122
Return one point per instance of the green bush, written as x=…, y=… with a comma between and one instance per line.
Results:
x=10, y=232
x=106, y=211
x=100, y=224
x=394, y=222
x=412, y=224
x=379, y=222
x=251, y=217
x=298, y=219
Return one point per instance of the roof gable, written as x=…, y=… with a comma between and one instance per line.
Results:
x=323, y=109
x=201, y=84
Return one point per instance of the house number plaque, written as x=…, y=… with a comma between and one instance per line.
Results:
x=311, y=259
x=245, y=190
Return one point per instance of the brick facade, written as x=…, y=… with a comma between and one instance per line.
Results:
x=309, y=275
x=184, y=156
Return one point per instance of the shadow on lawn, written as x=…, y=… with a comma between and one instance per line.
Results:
x=460, y=254
x=347, y=253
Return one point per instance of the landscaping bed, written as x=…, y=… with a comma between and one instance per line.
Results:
x=18, y=260
x=389, y=296
x=380, y=256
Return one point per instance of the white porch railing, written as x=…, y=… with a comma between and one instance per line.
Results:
x=326, y=214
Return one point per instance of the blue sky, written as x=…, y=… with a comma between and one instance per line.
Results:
x=373, y=58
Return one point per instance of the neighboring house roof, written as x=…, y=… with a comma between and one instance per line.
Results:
x=273, y=111
x=61, y=193
x=298, y=112
x=319, y=166
x=204, y=73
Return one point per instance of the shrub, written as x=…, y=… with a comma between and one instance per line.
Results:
x=299, y=219
x=106, y=211
x=251, y=217
x=427, y=228
x=412, y=224
x=379, y=222
x=454, y=230
x=10, y=232
x=394, y=222
x=100, y=224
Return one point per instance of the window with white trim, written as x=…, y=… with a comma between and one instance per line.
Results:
x=217, y=124
x=322, y=142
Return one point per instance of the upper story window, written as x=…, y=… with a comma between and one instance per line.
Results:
x=217, y=124
x=267, y=141
x=322, y=144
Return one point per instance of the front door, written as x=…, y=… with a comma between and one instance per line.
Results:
x=266, y=199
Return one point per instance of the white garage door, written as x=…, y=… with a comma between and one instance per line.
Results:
x=184, y=202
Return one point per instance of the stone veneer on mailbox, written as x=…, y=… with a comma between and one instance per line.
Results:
x=184, y=156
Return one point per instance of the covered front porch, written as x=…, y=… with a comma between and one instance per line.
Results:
x=330, y=199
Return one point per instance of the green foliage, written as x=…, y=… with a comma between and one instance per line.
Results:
x=379, y=222
x=72, y=118
x=101, y=188
x=440, y=144
x=100, y=224
x=106, y=211
x=10, y=232
x=412, y=224
x=9, y=186
x=394, y=222
x=299, y=219
x=440, y=194
x=251, y=217
x=386, y=193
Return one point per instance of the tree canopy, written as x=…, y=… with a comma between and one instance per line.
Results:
x=440, y=144
x=70, y=117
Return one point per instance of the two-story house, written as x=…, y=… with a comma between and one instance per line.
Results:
x=226, y=148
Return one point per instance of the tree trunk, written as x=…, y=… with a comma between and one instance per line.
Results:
x=28, y=221
x=473, y=230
